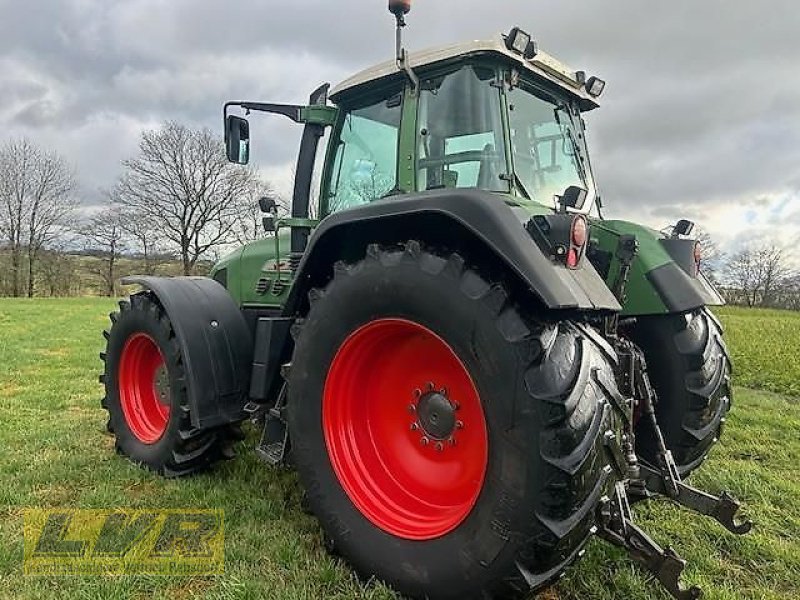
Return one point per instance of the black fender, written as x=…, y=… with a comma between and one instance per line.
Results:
x=455, y=219
x=681, y=285
x=215, y=341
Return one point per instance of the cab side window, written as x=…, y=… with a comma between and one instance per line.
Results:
x=460, y=137
x=365, y=163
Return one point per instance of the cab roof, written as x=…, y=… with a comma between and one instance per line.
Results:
x=542, y=65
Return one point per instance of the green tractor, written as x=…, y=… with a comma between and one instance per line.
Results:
x=471, y=371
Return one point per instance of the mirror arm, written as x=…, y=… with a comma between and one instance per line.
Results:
x=287, y=110
x=293, y=111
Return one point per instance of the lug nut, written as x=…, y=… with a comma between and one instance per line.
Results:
x=412, y=408
x=439, y=446
x=431, y=387
x=459, y=424
x=414, y=426
x=424, y=441
x=417, y=392
x=452, y=441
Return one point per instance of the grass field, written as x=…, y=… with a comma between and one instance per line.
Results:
x=766, y=348
x=55, y=453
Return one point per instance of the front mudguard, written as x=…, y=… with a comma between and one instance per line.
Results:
x=216, y=345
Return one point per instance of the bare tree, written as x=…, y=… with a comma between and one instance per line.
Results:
x=183, y=185
x=36, y=204
x=773, y=270
x=145, y=239
x=104, y=234
x=791, y=292
x=57, y=272
x=740, y=274
x=757, y=274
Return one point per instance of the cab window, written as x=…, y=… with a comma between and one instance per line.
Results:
x=460, y=132
x=547, y=144
x=365, y=162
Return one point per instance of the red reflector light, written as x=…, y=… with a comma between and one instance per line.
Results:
x=579, y=230
x=572, y=258
x=578, y=236
x=698, y=255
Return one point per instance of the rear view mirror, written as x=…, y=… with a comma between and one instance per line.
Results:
x=269, y=207
x=573, y=197
x=267, y=204
x=683, y=227
x=237, y=139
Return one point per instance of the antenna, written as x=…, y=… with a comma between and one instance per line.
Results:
x=400, y=8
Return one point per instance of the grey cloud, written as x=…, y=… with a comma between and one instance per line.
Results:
x=702, y=107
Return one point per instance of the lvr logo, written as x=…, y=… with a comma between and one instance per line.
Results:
x=168, y=542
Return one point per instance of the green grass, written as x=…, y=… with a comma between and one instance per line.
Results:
x=55, y=453
x=766, y=347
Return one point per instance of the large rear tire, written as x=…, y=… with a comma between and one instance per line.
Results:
x=146, y=399
x=690, y=369
x=449, y=441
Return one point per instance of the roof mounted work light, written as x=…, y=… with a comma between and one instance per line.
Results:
x=682, y=227
x=595, y=86
x=521, y=42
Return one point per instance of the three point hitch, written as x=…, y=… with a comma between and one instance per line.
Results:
x=644, y=481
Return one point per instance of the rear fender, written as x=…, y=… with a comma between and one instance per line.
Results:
x=478, y=223
x=215, y=342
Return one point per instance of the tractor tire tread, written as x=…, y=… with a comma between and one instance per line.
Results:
x=558, y=363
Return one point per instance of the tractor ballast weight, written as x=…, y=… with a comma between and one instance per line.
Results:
x=472, y=371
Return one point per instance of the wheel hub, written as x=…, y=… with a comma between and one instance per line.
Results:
x=437, y=415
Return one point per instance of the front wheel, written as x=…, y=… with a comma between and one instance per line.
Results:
x=146, y=394
x=449, y=441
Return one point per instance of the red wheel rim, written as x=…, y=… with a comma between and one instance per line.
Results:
x=412, y=471
x=144, y=388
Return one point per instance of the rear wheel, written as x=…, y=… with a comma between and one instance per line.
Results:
x=689, y=366
x=449, y=441
x=146, y=399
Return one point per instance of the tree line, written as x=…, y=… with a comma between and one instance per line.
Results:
x=177, y=201
x=761, y=275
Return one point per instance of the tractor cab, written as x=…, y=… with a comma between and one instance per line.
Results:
x=497, y=116
x=481, y=115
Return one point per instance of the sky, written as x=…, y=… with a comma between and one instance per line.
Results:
x=700, y=118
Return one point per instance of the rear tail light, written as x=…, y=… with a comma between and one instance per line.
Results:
x=578, y=236
x=698, y=255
